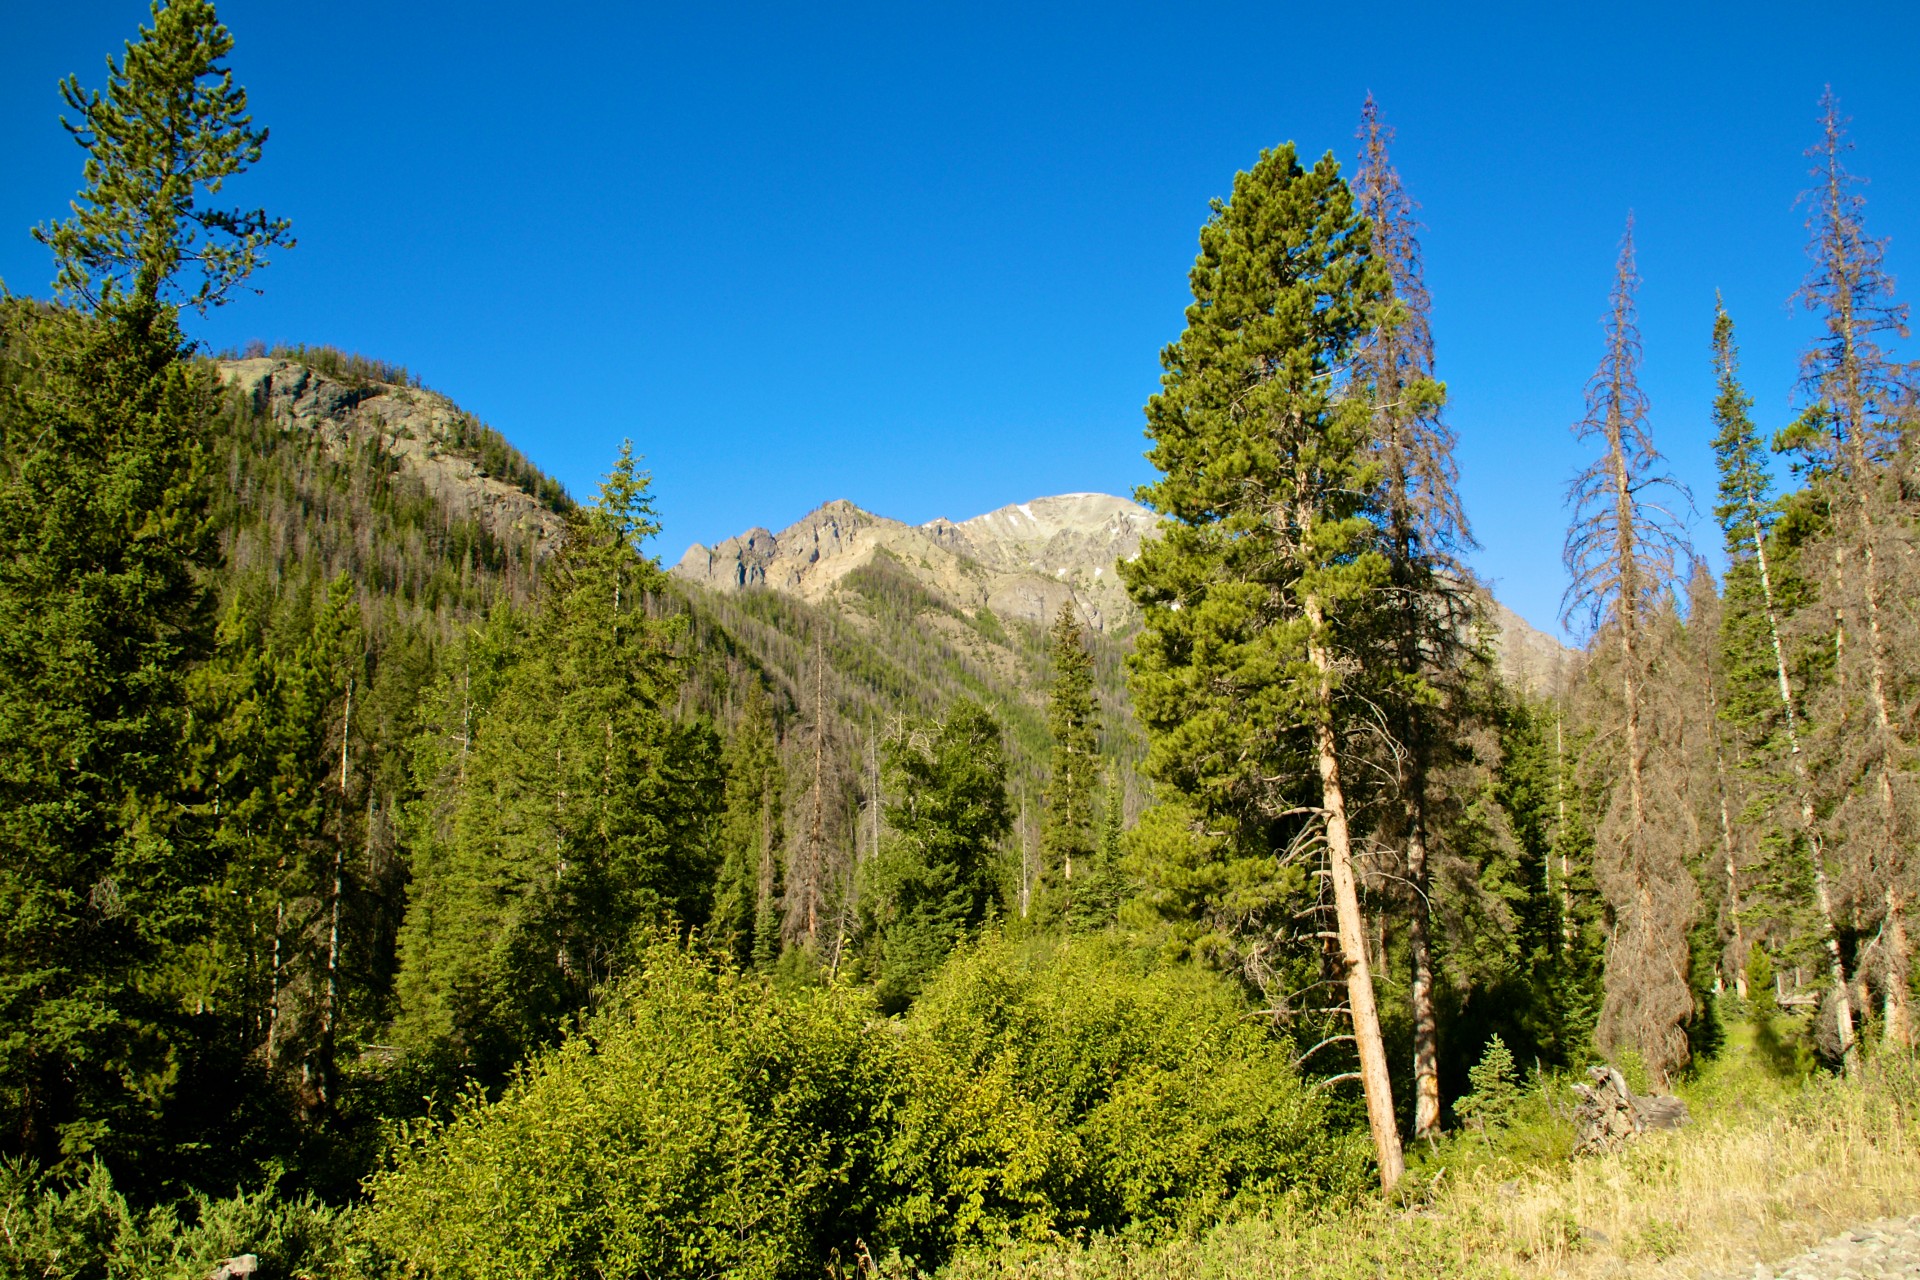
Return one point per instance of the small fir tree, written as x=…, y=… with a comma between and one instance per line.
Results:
x=1066, y=833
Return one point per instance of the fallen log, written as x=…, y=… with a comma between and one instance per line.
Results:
x=1610, y=1115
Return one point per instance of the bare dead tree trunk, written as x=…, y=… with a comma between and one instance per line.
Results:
x=1898, y=1032
x=1026, y=862
x=327, y=1012
x=1426, y=1022
x=273, y=996
x=1374, y=1075
x=1727, y=849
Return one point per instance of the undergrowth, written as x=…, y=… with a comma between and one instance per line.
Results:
x=1776, y=1157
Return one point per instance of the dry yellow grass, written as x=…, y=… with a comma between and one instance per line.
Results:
x=1765, y=1170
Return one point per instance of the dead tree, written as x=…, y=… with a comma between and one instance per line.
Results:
x=1426, y=536
x=1856, y=401
x=1623, y=551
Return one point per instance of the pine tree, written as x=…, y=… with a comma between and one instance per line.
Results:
x=104, y=547
x=1857, y=400
x=746, y=896
x=1066, y=832
x=1101, y=891
x=1259, y=594
x=171, y=124
x=933, y=883
x=573, y=811
x=1426, y=535
x=1746, y=514
x=1622, y=554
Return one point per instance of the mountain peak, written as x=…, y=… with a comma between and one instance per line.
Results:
x=1022, y=561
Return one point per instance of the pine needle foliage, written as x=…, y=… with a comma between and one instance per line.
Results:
x=171, y=125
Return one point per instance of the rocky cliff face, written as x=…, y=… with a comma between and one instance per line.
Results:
x=415, y=426
x=1022, y=561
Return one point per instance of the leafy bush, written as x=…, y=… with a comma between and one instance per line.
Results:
x=709, y=1122
x=702, y=1124
x=1153, y=1103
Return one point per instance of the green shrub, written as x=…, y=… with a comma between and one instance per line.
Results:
x=1496, y=1091
x=703, y=1124
x=86, y=1230
x=709, y=1122
x=1149, y=1101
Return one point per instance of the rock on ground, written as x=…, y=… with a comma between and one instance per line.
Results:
x=1878, y=1251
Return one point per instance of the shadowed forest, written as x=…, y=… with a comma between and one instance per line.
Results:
x=394, y=887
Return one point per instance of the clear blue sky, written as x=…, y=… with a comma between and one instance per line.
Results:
x=924, y=256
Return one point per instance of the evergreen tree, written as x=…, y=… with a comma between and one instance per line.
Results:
x=746, y=890
x=104, y=547
x=1102, y=888
x=571, y=811
x=1857, y=404
x=1261, y=593
x=1622, y=554
x=1066, y=832
x=1763, y=701
x=171, y=125
x=933, y=883
x=288, y=804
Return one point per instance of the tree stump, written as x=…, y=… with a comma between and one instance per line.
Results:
x=1611, y=1115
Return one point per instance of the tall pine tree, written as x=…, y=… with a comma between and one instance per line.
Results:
x=1066, y=831
x=104, y=548
x=1261, y=592
x=1426, y=535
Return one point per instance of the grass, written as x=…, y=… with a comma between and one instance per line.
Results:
x=1774, y=1160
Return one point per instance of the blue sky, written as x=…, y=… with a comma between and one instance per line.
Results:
x=924, y=256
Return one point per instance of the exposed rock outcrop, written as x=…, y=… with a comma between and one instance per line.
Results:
x=1022, y=562
x=415, y=426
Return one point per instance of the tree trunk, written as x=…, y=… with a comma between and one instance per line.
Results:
x=1899, y=1021
x=1560, y=831
x=1374, y=1076
x=1726, y=832
x=1843, y=1000
x=1426, y=1022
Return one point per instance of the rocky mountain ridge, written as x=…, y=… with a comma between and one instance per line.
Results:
x=427, y=434
x=1020, y=561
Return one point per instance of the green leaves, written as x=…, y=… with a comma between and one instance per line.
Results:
x=708, y=1122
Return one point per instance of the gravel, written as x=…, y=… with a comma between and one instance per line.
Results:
x=1879, y=1251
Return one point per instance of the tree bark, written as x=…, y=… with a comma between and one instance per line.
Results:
x=1898, y=1032
x=1726, y=830
x=1374, y=1076
x=1426, y=1022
